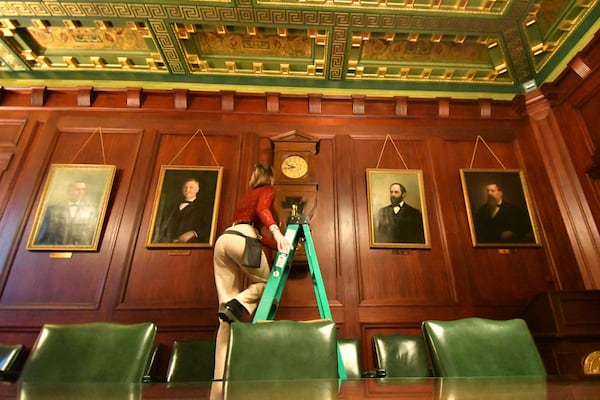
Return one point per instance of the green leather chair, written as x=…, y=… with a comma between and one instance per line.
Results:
x=151, y=367
x=280, y=350
x=90, y=352
x=9, y=353
x=192, y=361
x=351, y=356
x=401, y=355
x=482, y=347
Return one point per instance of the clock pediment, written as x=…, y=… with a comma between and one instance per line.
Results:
x=295, y=136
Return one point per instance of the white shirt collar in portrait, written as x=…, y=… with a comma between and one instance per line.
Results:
x=185, y=203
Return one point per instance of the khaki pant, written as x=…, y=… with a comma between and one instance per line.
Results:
x=230, y=279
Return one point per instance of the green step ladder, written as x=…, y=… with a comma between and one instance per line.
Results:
x=297, y=229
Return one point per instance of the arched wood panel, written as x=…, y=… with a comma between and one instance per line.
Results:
x=393, y=276
x=35, y=279
x=505, y=275
x=161, y=278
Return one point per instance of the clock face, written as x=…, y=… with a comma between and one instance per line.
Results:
x=294, y=167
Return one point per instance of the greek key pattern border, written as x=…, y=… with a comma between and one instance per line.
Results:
x=198, y=14
x=167, y=47
x=342, y=23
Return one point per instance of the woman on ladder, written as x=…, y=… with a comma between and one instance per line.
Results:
x=237, y=303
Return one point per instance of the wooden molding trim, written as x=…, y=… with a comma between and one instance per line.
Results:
x=134, y=97
x=227, y=101
x=37, y=96
x=180, y=100
x=486, y=108
x=401, y=106
x=358, y=105
x=272, y=102
x=444, y=108
x=580, y=67
x=314, y=103
x=84, y=97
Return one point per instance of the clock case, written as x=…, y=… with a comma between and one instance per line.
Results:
x=302, y=191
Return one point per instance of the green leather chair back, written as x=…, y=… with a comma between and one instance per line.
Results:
x=401, y=355
x=351, y=356
x=8, y=355
x=282, y=350
x=90, y=352
x=192, y=361
x=482, y=347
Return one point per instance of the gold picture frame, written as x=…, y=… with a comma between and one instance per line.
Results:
x=499, y=208
x=406, y=226
x=177, y=224
x=72, y=207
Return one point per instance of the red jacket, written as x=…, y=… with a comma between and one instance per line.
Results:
x=256, y=208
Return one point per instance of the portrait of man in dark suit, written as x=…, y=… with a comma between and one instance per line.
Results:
x=186, y=221
x=72, y=207
x=186, y=207
x=71, y=221
x=499, y=213
x=399, y=222
x=396, y=209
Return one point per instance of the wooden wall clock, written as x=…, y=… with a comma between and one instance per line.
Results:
x=294, y=175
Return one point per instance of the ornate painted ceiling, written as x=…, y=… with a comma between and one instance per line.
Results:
x=429, y=48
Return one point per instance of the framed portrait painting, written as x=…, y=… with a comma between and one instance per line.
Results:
x=186, y=207
x=72, y=207
x=499, y=208
x=397, y=212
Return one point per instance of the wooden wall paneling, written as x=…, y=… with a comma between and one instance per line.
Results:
x=109, y=98
x=379, y=106
x=578, y=123
x=346, y=235
x=12, y=149
x=27, y=182
x=560, y=259
x=451, y=215
x=291, y=104
x=496, y=275
x=574, y=209
x=155, y=99
x=588, y=111
x=206, y=102
x=30, y=268
x=336, y=106
x=179, y=279
x=59, y=97
x=397, y=276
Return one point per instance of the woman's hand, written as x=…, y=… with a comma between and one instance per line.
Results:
x=283, y=245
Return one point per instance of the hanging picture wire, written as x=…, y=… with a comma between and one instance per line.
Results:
x=479, y=138
x=189, y=141
x=388, y=137
x=99, y=131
